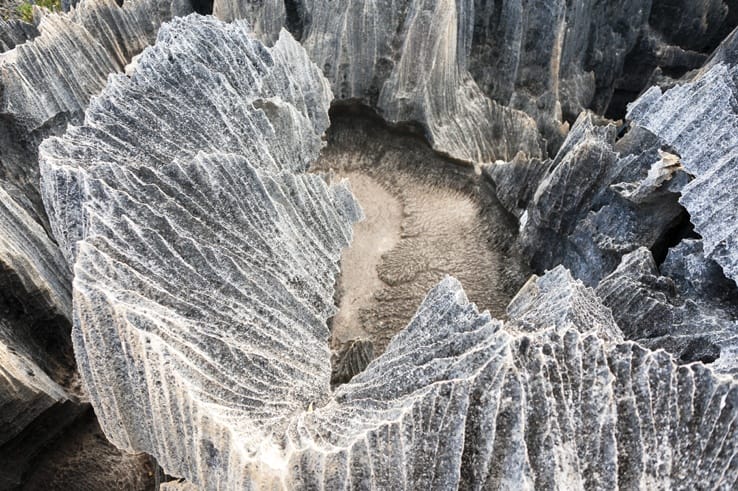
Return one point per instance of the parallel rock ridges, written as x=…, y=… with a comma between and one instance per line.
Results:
x=204, y=278
x=206, y=258
x=700, y=121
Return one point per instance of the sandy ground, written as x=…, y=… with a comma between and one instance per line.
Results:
x=426, y=217
x=376, y=235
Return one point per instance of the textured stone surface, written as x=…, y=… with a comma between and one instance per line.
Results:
x=689, y=310
x=351, y=359
x=204, y=253
x=47, y=76
x=472, y=72
x=14, y=32
x=599, y=200
x=516, y=181
x=700, y=121
x=457, y=409
x=36, y=102
x=426, y=217
x=206, y=260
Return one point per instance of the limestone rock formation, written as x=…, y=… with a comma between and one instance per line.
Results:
x=47, y=76
x=204, y=261
x=458, y=409
x=176, y=253
x=36, y=102
x=375, y=61
x=351, y=359
x=204, y=267
x=515, y=68
x=598, y=199
x=14, y=32
x=660, y=312
x=699, y=120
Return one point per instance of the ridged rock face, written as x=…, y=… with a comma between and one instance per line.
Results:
x=483, y=77
x=204, y=260
x=375, y=60
x=47, y=76
x=597, y=200
x=25, y=389
x=370, y=51
x=459, y=400
x=700, y=121
x=36, y=102
x=689, y=310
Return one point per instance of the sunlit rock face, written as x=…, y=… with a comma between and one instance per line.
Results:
x=205, y=258
x=48, y=72
x=263, y=294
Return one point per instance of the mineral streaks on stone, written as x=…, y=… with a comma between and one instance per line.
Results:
x=25, y=389
x=459, y=400
x=267, y=17
x=558, y=300
x=206, y=258
x=441, y=95
x=699, y=120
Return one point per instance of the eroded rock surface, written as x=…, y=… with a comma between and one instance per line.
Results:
x=597, y=200
x=700, y=121
x=204, y=262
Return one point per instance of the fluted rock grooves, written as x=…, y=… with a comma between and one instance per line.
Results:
x=48, y=73
x=186, y=227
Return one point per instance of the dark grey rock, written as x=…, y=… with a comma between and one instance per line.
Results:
x=351, y=359
x=14, y=32
x=675, y=314
x=516, y=181
x=599, y=200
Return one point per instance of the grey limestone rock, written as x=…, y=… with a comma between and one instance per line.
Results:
x=36, y=102
x=516, y=181
x=676, y=313
x=370, y=53
x=204, y=278
x=205, y=259
x=14, y=32
x=47, y=76
x=351, y=359
x=599, y=200
x=699, y=120
x=459, y=400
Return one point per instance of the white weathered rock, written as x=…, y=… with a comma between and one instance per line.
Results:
x=409, y=61
x=699, y=120
x=204, y=257
x=205, y=260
